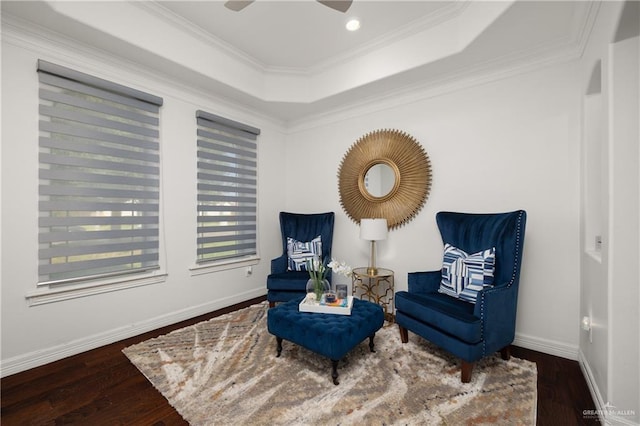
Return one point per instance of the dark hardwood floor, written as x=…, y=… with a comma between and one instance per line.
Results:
x=101, y=387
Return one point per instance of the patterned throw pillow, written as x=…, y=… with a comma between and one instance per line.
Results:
x=464, y=275
x=299, y=252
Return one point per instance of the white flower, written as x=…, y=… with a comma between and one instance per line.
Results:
x=340, y=268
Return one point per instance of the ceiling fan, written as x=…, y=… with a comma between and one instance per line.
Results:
x=339, y=5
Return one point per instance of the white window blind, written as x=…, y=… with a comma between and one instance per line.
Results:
x=99, y=177
x=227, y=182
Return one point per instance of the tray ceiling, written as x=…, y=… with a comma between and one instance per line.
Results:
x=295, y=58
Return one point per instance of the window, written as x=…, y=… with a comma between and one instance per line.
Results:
x=227, y=182
x=99, y=178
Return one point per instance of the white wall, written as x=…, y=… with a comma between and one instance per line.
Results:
x=624, y=285
x=33, y=335
x=495, y=145
x=505, y=145
x=609, y=353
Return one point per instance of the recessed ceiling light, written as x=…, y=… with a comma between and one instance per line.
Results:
x=353, y=24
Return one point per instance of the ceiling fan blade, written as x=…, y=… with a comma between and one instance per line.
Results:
x=237, y=5
x=339, y=5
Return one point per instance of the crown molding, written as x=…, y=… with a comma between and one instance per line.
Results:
x=324, y=110
x=182, y=24
x=588, y=19
x=508, y=66
x=246, y=81
x=446, y=13
x=57, y=47
x=449, y=11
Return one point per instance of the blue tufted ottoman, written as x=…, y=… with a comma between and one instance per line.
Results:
x=329, y=335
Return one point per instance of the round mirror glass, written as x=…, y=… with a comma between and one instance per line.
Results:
x=379, y=180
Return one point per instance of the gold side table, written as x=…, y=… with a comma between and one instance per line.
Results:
x=376, y=288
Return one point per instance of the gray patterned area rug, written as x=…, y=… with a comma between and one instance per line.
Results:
x=224, y=371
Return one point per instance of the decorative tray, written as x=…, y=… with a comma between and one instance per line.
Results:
x=340, y=307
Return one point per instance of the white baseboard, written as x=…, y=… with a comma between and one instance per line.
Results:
x=45, y=356
x=55, y=353
x=607, y=414
x=614, y=420
x=551, y=347
x=591, y=384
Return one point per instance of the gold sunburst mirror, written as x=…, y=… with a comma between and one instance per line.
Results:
x=385, y=174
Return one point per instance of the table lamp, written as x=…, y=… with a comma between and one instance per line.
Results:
x=373, y=230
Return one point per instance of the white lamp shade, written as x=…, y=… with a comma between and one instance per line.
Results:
x=373, y=229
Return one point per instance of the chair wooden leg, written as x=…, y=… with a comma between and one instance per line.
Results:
x=506, y=353
x=404, y=334
x=465, y=374
x=272, y=304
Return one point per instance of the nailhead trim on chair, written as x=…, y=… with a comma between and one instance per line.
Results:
x=513, y=278
x=515, y=264
x=484, y=341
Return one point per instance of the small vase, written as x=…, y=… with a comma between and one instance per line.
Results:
x=318, y=287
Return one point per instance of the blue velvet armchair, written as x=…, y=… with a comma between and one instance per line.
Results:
x=284, y=284
x=467, y=330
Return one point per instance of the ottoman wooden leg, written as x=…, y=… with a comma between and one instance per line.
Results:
x=279, y=348
x=371, y=342
x=334, y=371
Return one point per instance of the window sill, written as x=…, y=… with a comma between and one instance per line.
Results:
x=208, y=268
x=59, y=293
